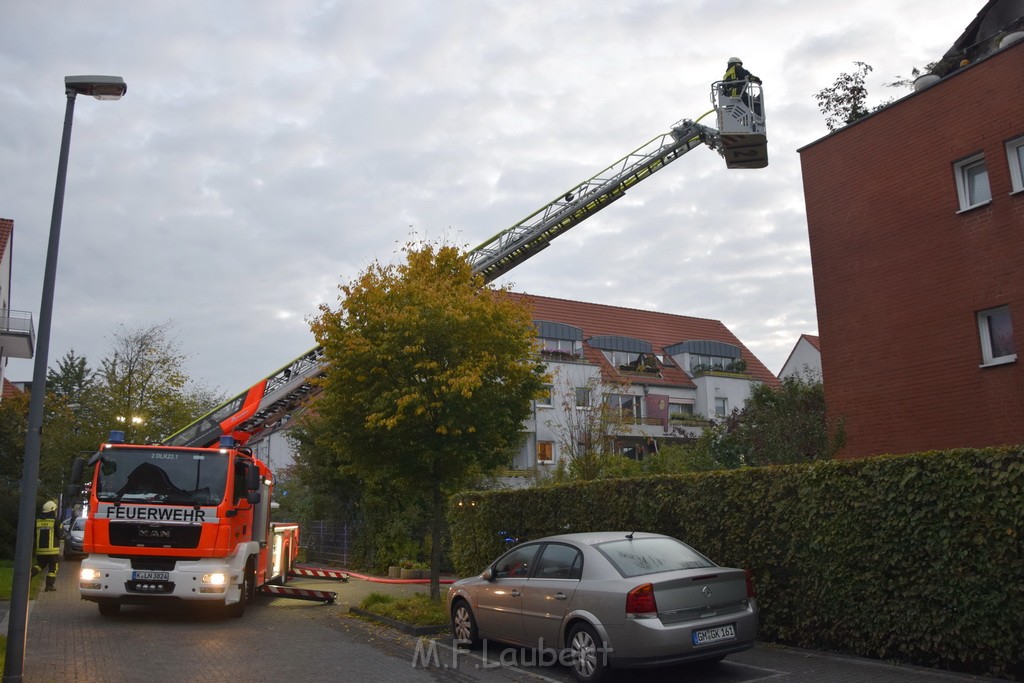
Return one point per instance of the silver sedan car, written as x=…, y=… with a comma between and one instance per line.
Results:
x=595, y=601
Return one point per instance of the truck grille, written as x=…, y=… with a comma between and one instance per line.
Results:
x=154, y=535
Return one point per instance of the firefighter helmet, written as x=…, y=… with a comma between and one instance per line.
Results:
x=735, y=60
x=49, y=506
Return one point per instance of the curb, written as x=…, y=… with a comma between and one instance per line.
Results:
x=408, y=629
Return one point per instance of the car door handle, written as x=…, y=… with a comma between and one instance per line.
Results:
x=560, y=596
x=515, y=593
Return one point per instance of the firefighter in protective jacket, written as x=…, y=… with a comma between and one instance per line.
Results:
x=48, y=544
x=735, y=82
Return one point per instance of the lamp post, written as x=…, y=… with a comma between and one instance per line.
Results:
x=102, y=88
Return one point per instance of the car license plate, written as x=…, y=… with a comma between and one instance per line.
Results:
x=150, y=576
x=717, y=634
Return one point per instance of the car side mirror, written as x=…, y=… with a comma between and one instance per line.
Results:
x=488, y=574
x=253, y=497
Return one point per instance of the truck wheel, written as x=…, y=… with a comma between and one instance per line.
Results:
x=248, y=591
x=109, y=608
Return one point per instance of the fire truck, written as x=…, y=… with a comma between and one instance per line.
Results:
x=172, y=523
x=740, y=139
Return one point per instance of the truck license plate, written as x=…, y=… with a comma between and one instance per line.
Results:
x=717, y=634
x=150, y=576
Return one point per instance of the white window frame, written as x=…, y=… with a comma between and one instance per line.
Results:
x=550, y=400
x=961, y=170
x=682, y=409
x=588, y=395
x=1015, y=157
x=985, y=335
x=724, y=412
x=619, y=403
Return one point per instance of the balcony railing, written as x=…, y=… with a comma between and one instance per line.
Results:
x=17, y=334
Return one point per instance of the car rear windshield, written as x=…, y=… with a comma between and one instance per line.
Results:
x=634, y=557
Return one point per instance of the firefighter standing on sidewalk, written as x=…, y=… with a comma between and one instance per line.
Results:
x=47, y=544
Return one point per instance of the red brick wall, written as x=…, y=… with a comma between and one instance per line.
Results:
x=899, y=275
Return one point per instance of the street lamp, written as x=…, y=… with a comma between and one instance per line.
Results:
x=134, y=421
x=102, y=88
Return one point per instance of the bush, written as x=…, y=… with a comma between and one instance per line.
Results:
x=914, y=558
x=417, y=609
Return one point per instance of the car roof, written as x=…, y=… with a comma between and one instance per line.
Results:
x=596, y=537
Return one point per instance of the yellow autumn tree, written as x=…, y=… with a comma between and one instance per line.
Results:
x=429, y=377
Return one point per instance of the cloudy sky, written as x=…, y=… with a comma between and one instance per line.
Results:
x=267, y=151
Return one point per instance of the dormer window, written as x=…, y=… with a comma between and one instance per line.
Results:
x=558, y=341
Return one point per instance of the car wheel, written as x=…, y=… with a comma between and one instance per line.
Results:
x=588, y=654
x=464, y=629
x=109, y=608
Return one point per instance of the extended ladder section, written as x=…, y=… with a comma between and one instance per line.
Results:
x=262, y=407
x=740, y=139
x=510, y=247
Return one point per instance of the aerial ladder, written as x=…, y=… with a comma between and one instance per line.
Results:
x=740, y=139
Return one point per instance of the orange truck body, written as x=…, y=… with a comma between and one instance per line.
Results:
x=167, y=524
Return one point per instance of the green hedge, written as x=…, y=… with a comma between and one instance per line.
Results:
x=912, y=558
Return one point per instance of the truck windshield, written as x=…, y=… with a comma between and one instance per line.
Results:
x=162, y=476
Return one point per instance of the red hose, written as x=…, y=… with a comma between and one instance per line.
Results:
x=377, y=579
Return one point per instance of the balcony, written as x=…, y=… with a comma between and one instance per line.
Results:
x=557, y=356
x=17, y=334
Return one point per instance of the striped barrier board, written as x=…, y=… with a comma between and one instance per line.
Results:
x=326, y=597
x=319, y=573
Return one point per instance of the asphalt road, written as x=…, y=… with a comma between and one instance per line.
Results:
x=280, y=639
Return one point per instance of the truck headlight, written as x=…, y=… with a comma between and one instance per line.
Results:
x=89, y=574
x=215, y=579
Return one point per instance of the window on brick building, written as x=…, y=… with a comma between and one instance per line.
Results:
x=972, y=182
x=996, y=331
x=1015, y=155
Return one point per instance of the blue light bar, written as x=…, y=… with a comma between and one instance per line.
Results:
x=227, y=441
x=116, y=436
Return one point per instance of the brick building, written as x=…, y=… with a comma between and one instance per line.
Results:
x=916, y=223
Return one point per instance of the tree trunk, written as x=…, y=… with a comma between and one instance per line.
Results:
x=436, y=526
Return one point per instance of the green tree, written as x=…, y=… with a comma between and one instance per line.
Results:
x=585, y=428
x=777, y=426
x=13, y=427
x=846, y=100
x=72, y=378
x=430, y=376
x=142, y=386
x=72, y=422
x=680, y=458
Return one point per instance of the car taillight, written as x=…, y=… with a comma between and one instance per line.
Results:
x=640, y=603
x=751, y=593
